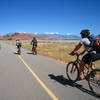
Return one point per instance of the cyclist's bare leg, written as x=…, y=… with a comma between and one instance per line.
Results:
x=81, y=69
x=35, y=51
x=32, y=49
x=91, y=66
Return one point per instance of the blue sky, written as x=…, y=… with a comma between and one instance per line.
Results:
x=49, y=16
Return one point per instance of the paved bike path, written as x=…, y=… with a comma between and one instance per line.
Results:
x=19, y=83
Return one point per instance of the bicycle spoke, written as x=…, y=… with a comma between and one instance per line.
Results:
x=72, y=72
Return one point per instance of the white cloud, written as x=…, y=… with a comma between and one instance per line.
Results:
x=68, y=33
x=51, y=33
x=36, y=33
x=46, y=32
x=57, y=33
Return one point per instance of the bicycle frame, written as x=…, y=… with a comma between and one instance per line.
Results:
x=86, y=66
x=91, y=75
x=18, y=50
x=34, y=50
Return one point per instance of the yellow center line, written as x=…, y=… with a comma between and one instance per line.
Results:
x=38, y=79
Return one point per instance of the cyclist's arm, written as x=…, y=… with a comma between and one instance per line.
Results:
x=77, y=47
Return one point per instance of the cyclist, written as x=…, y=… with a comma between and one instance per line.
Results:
x=34, y=46
x=91, y=54
x=0, y=46
x=18, y=45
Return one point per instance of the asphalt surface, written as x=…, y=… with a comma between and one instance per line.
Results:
x=31, y=77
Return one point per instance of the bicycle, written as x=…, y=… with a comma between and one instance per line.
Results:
x=19, y=50
x=91, y=75
x=0, y=46
x=18, y=45
x=34, y=51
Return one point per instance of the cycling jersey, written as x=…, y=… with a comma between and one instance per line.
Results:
x=91, y=55
x=34, y=43
x=18, y=44
x=86, y=42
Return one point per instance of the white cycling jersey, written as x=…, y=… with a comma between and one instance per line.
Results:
x=86, y=42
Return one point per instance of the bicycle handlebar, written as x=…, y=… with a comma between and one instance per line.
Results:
x=75, y=54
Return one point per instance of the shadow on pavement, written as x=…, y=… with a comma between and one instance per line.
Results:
x=16, y=53
x=29, y=53
x=62, y=80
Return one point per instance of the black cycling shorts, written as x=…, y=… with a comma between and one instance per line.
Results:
x=90, y=57
x=18, y=46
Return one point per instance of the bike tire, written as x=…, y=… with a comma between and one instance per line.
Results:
x=33, y=50
x=72, y=72
x=19, y=51
x=94, y=81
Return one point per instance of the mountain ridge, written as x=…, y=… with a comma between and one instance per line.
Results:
x=29, y=36
x=25, y=36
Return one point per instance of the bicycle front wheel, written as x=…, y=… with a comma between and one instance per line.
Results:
x=72, y=71
x=94, y=81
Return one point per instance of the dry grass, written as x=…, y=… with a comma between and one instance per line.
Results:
x=58, y=51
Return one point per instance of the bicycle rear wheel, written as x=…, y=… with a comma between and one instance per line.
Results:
x=72, y=71
x=94, y=81
x=19, y=51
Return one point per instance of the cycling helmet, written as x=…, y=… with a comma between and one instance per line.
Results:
x=34, y=38
x=17, y=40
x=85, y=33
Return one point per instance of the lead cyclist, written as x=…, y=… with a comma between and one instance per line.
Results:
x=91, y=54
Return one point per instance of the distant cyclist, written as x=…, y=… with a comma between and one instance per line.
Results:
x=91, y=54
x=34, y=46
x=0, y=46
x=18, y=45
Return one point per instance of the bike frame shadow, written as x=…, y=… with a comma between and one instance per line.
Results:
x=31, y=53
x=15, y=53
x=62, y=80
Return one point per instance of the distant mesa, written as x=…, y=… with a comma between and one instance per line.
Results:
x=29, y=36
x=1, y=37
x=26, y=36
x=98, y=36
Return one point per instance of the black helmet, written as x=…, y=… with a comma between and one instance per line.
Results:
x=34, y=38
x=85, y=33
x=17, y=40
